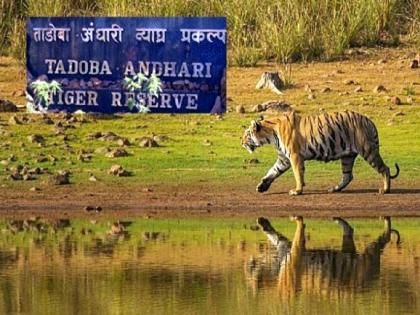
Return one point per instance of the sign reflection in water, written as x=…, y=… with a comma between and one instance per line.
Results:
x=204, y=267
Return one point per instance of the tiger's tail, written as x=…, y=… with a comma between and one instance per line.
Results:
x=396, y=174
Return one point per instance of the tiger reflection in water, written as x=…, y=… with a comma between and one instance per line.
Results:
x=297, y=268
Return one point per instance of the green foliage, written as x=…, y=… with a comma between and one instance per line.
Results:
x=141, y=83
x=283, y=30
x=43, y=90
x=245, y=57
x=409, y=90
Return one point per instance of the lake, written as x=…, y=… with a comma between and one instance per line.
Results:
x=209, y=266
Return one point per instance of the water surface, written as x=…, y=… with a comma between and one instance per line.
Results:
x=205, y=267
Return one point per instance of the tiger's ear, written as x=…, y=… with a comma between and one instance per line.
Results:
x=256, y=125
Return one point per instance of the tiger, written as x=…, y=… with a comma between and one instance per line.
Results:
x=325, y=137
x=294, y=266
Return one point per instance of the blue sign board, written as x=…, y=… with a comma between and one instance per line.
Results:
x=90, y=57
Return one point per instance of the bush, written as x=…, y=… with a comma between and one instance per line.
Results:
x=283, y=30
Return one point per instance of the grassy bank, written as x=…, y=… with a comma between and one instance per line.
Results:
x=211, y=231
x=258, y=30
x=206, y=150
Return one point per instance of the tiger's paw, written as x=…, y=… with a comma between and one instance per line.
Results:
x=294, y=192
x=334, y=190
x=263, y=186
x=384, y=191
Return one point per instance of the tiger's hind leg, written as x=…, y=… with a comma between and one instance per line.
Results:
x=375, y=160
x=347, y=164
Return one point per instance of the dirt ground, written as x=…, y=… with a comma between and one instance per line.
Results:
x=217, y=202
x=361, y=199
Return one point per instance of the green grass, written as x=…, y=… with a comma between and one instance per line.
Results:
x=258, y=30
x=184, y=159
x=320, y=231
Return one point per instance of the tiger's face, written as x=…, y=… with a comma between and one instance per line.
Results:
x=253, y=137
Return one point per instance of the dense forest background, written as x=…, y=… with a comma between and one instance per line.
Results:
x=279, y=30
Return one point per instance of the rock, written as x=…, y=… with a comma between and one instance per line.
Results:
x=204, y=87
x=396, y=100
x=240, y=109
x=36, y=171
x=307, y=88
x=410, y=100
x=273, y=106
x=7, y=106
x=34, y=189
x=61, y=178
x=123, y=142
x=96, y=209
x=253, y=161
x=117, y=153
x=326, y=90
x=379, y=88
x=343, y=93
x=47, y=120
x=35, y=138
x=41, y=158
x=118, y=170
x=109, y=136
x=160, y=138
x=13, y=120
x=414, y=64
x=5, y=162
x=74, y=84
x=207, y=142
x=358, y=89
x=92, y=178
x=258, y=108
x=84, y=157
x=102, y=150
x=398, y=114
x=28, y=177
x=277, y=106
x=349, y=82
x=147, y=142
x=16, y=176
x=52, y=158
x=95, y=135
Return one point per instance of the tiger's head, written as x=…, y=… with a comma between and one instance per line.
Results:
x=255, y=136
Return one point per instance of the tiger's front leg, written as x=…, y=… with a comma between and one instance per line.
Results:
x=281, y=166
x=298, y=167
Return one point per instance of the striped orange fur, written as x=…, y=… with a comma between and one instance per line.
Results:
x=325, y=137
